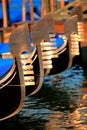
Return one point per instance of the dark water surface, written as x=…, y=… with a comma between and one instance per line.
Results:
x=61, y=104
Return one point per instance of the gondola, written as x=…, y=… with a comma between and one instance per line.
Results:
x=75, y=32
x=29, y=65
x=43, y=32
x=71, y=32
x=81, y=33
x=25, y=75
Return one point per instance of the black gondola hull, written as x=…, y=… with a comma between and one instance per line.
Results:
x=11, y=96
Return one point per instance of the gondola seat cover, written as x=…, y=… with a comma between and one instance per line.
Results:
x=5, y=64
x=59, y=40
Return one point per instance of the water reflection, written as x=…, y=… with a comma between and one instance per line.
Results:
x=61, y=104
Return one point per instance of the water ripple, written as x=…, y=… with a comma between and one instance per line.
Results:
x=61, y=104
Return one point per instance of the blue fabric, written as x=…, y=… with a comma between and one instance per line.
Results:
x=59, y=41
x=4, y=47
x=15, y=10
x=5, y=65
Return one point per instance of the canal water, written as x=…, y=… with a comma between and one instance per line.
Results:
x=61, y=104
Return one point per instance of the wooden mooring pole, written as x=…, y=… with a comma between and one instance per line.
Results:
x=31, y=10
x=43, y=10
x=52, y=2
x=24, y=10
x=5, y=32
x=5, y=7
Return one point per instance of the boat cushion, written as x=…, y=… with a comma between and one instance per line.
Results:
x=59, y=40
x=5, y=64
